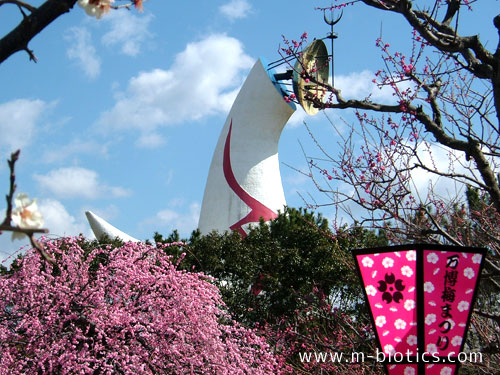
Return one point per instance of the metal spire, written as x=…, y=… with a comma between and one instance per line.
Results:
x=332, y=36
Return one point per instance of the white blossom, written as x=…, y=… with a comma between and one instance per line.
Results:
x=389, y=349
x=411, y=340
x=432, y=258
x=387, y=262
x=428, y=287
x=409, y=304
x=411, y=255
x=400, y=324
x=469, y=273
x=463, y=306
x=370, y=290
x=25, y=214
x=476, y=259
x=367, y=262
x=431, y=348
x=95, y=8
x=380, y=321
x=406, y=271
x=430, y=318
x=456, y=341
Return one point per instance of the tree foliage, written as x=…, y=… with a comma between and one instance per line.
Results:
x=317, y=339
x=280, y=266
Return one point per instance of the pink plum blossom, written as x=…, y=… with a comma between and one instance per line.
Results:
x=125, y=310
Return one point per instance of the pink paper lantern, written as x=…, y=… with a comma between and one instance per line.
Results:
x=420, y=298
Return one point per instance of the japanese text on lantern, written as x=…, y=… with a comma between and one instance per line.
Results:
x=448, y=297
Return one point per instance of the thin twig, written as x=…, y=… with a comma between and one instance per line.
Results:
x=20, y=4
x=7, y=222
x=12, y=187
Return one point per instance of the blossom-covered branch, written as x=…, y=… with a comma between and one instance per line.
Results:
x=452, y=97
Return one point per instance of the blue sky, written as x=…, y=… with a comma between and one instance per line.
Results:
x=121, y=115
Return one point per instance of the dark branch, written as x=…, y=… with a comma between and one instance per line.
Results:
x=6, y=224
x=21, y=4
x=30, y=26
x=442, y=36
x=12, y=187
x=453, y=7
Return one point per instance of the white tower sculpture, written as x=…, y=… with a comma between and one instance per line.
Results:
x=244, y=181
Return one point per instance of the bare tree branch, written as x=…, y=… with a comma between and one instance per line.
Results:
x=7, y=222
x=30, y=26
x=19, y=3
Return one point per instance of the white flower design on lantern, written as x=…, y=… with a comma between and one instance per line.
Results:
x=95, y=8
x=431, y=348
x=25, y=214
x=428, y=287
x=371, y=290
x=476, y=259
x=463, y=306
x=432, y=258
x=400, y=324
x=406, y=271
x=456, y=341
x=389, y=349
x=446, y=371
x=387, y=262
x=380, y=321
x=411, y=255
x=469, y=273
x=409, y=304
x=430, y=318
x=409, y=371
x=411, y=340
x=367, y=262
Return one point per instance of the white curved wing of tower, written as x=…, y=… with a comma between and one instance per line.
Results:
x=244, y=181
x=101, y=227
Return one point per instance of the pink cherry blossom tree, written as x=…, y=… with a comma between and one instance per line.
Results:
x=122, y=310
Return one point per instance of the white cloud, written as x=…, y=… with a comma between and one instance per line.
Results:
x=151, y=140
x=128, y=31
x=82, y=51
x=298, y=117
x=442, y=159
x=359, y=85
x=236, y=9
x=170, y=219
x=76, y=147
x=203, y=80
x=19, y=120
x=73, y=182
x=58, y=220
